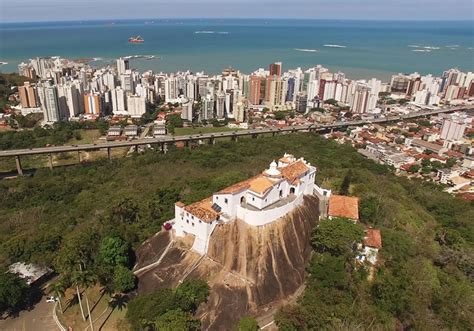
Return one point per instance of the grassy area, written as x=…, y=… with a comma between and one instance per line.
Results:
x=197, y=130
x=103, y=316
x=87, y=137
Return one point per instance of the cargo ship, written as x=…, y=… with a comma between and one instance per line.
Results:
x=136, y=40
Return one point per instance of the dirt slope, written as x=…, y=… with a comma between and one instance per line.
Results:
x=250, y=270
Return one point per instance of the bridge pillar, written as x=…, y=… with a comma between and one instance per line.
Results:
x=212, y=141
x=50, y=161
x=254, y=136
x=79, y=156
x=234, y=138
x=274, y=134
x=109, y=153
x=18, y=165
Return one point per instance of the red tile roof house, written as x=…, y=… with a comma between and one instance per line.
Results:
x=372, y=244
x=343, y=206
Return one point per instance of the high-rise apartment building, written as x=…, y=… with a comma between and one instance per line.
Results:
x=28, y=96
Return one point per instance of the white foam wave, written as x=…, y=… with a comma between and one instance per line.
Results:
x=3, y=63
x=335, y=46
x=421, y=50
x=306, y=50
x=210, y=32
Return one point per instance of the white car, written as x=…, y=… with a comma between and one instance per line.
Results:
x=51, y=299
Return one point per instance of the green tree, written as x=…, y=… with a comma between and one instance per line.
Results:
x=114, y=252
x=124, y=279
x=247, y=324
x=191, y=293
x=337, y=236
x=346, y=183
x=332, y=102
x=280, y=115
x=13, y=291
x=292, y=318
x=175, y=120
x=58, y=288
x=149, y=306
x=176, y=320
x=126, y=211
x=414, y=168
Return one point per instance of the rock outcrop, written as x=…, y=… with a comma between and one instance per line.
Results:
x=249, y=270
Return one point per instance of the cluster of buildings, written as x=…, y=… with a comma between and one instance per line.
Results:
x=452, y=87
x=438, y=149
x=68, y=90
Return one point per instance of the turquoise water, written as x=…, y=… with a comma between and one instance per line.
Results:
x=371, y=48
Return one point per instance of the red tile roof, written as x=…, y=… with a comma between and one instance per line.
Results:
x=343, y=206
x=373, y=238
x=203, y=210
x=294, y=170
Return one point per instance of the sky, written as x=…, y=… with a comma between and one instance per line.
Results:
x=60, y=10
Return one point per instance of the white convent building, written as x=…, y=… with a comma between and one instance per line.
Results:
x=257, y=201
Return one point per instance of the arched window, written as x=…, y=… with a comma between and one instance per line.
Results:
x=292, y=190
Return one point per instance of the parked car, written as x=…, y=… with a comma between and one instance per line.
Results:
x=51, y=299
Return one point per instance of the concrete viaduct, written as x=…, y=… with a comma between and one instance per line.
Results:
x=211, y=137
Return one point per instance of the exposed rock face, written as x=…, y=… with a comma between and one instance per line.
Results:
x=247, y=268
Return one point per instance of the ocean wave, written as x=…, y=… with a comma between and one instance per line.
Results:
x=306, y=50
x=452, y=46
x=211, y=32
x=94, y=59
x=335, y=46
x=425, y=47
x=3, y=63
x=421, y=50
x=146, y=57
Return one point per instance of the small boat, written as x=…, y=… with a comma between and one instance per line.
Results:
x=136, y=40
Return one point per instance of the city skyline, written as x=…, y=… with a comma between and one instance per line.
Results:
x=55, y=10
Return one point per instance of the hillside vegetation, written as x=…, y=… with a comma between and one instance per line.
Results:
x=424, y=282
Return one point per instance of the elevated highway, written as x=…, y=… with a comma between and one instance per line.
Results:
x=211, y=137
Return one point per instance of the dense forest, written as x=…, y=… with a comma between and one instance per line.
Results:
x=66, y=217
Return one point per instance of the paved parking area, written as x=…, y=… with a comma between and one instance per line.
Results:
x=40, y=318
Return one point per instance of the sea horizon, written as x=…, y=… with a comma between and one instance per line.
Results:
x=360, y=48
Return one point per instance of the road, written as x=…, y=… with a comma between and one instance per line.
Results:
x=40, y=318
x=217, y=135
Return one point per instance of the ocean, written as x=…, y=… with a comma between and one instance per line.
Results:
x=361, y=49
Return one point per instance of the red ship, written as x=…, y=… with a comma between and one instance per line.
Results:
x=136, y=40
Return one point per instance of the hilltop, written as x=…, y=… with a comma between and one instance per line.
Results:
x=428, y=235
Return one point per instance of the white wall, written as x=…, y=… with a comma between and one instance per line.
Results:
x=263, y=217
x=186, y=223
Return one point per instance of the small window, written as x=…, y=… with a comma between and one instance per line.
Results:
x=266, y=200
x=253, y=199
x=192, y=217
x=225, y=200
x=192, y=224
x=187, y=221
x=217, y=198
x=200, y=221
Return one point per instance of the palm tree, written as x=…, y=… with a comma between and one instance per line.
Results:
x=118, y=301
x=76, y=280
x=59, y=289
x=86, y=279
